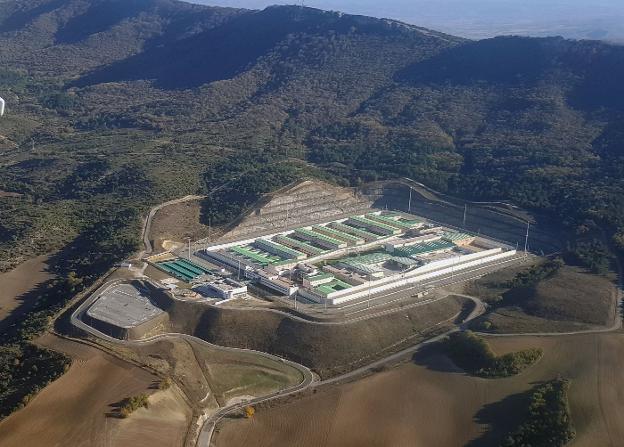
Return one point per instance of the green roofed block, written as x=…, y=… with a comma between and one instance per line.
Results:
x=425, y=247
x=331, y=287
x=360, y=220
x=279, y=250
x=366, y=235
x=182, y=269
x=397, y=223
x=253, y=256
x=368, y=259
x=339, y=234
x=300, y=245
x=320, y=237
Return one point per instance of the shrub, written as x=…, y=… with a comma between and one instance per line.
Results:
x=165, y=384
x=132, y=404
x=249, y=411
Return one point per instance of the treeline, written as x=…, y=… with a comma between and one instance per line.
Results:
x=25, y=368
x=594, y=255
x=548, y=423
x=535, y=274
x=473, y=354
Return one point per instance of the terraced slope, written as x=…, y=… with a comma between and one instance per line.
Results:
x=305, y=202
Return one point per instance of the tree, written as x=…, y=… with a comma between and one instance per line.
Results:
x=249, y=411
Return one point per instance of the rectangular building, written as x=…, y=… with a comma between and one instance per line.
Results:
x=336, y=234
x=320, y=239
x=375, y=227
x=279, y=250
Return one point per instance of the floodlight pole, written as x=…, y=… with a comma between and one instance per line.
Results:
x=465, y=210
x=409, y=204
x=369, y=290
x=526, y=239
x=189, y=248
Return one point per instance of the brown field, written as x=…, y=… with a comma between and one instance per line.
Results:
x=174, y=223
x=72, y=411
x=431, y=403
x=18, y=282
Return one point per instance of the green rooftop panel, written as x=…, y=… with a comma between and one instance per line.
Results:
x=338, y=234
x=364, y=221
x=356, y=231
x=300, y=244
x=294, y=253
x=426, y=247
x=321, y=237
x=397, y=223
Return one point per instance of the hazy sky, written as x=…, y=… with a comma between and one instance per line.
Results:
x=602, y=19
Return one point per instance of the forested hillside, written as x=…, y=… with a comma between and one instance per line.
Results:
x=114, y=105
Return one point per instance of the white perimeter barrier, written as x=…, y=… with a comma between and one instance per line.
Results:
x=428, y=271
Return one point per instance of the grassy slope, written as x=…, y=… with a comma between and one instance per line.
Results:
x=328, y=349
x=570, y=300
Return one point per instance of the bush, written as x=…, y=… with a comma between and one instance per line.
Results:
x=249, y=411
x=132, y=404
x=165, y=384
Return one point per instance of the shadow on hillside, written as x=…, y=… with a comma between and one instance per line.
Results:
x=501, y=417
x=433, y=358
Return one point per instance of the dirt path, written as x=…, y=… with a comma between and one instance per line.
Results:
x=72, y=411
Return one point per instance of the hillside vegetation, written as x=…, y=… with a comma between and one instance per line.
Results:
x=548, y=296
x=126, y=103
x=473, y=353
x=548, y=423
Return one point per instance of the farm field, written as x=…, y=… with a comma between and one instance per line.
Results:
x=18, y=282
x=73, y=410
x=430, y=402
